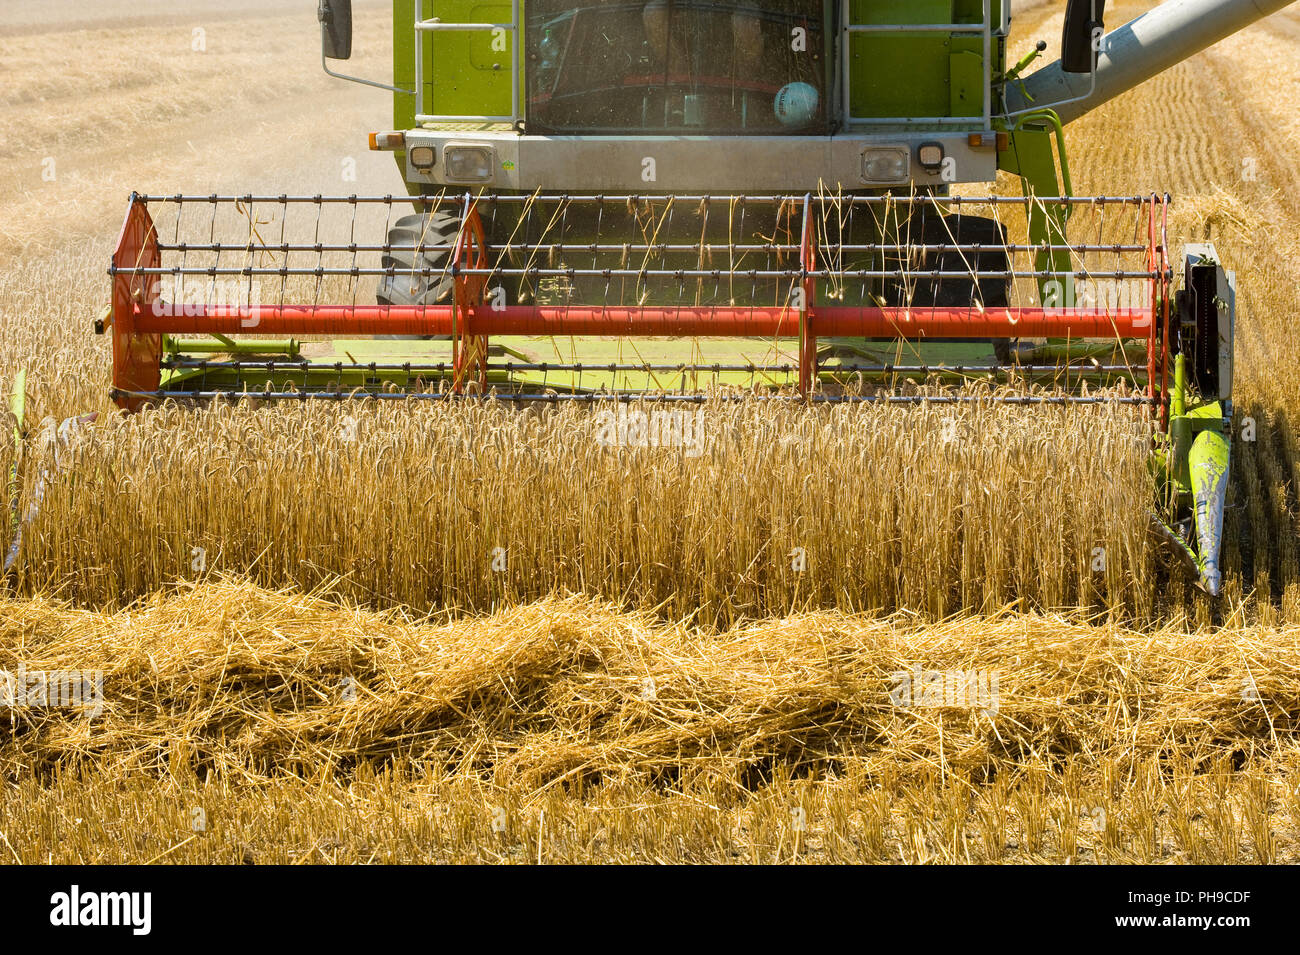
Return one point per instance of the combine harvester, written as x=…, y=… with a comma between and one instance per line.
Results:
x=679, y=199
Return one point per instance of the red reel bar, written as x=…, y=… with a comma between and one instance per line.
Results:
x=647, y=321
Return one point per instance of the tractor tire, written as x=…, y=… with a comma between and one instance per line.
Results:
x=416, y=233
x=982, y=292
x=958, y=292
x=406, y=286
x=917, y=290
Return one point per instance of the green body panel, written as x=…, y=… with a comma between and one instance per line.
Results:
x=403, y=79
x=1029, y=155
x=1185, y=431
x=463, y=73
x=1208, y=462
x=966, y=75
x=923, y=74
x=1193, y=461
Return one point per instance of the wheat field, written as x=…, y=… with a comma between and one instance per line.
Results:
x=468, y=633
x=471, y=507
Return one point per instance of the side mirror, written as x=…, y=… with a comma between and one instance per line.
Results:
x=335, y=28
x=1081, y=38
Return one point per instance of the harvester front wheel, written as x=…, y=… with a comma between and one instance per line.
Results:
x=419, y=257
x=970, y=250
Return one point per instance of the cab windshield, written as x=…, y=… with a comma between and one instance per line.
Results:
x=682, y=66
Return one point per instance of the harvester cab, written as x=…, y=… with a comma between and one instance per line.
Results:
x=679, y=199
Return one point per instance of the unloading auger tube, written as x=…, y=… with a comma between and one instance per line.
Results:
x=1145, y=47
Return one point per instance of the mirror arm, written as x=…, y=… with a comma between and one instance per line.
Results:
x=356, y=79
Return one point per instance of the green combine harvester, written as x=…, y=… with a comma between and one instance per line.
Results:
x=676, y=200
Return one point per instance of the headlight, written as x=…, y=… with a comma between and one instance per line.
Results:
x=468, y=163
x=886, y=164
x=422, y=157
x=930, y=155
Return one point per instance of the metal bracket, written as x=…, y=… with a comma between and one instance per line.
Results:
x=356, y=79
